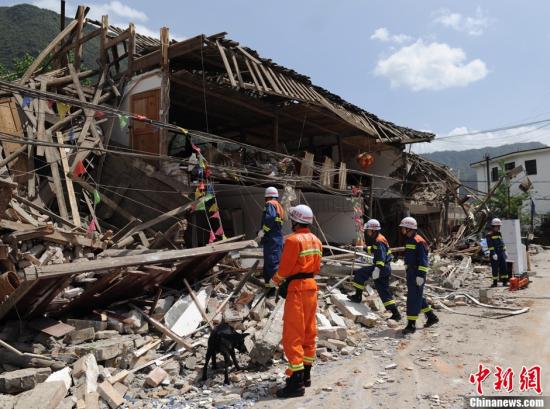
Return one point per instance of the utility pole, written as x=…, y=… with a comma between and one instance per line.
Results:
x=487, y=158
x=62, y=21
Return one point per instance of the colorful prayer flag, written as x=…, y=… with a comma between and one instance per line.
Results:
x=214, y=208
x=79, y=169
x=212, y=238
x=97, y=197
x=91, y=227
x=62, y=109
x=219, y=232
x=123, y=121
x=215, y=215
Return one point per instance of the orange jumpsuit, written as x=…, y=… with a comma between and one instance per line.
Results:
x=302, y=253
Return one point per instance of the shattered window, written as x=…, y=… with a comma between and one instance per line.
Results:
x=509, y=166
x=494, y=174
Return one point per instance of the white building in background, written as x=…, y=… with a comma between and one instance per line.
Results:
x=536, y=167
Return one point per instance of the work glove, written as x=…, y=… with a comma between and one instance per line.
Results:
x=376, y=273
x=260, y=236
x=495, y=257
x=420, y=281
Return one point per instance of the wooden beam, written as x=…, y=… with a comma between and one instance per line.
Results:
x=158, y=257
x=237, y=70
x=131, y=48
x=162, y=218
x=46, y=51
x=47, y=212
x=68, y=181
x=226, y=64
x=81, y=12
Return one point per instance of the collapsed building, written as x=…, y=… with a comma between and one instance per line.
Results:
x=144, y=172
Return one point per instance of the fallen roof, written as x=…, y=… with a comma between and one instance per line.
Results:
x=228, y=64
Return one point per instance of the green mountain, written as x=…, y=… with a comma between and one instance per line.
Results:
x=460, y=161
x=25, y=28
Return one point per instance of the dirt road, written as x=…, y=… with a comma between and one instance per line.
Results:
x=433, y=365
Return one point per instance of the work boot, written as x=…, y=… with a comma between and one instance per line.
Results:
x=505, y=282
x=357, y=297
x=432, y=319
x=395, y=315
x=307, y=376
x=495, y=283
x=294, y=386
x=410, y=328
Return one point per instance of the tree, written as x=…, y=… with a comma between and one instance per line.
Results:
x=504, y=204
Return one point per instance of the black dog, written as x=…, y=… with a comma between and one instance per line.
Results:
x=224, y=340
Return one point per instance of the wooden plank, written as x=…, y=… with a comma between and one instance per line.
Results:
x=68, y=182
x=237, y=70
x=276, y=79
x=78, y=36
x=92, y=212
x=306, y=168
x=104, y=51
x=89, y=123
x=131, y=48
x=226, y=64
x=22, y=213
x=128, y=261
x=111, y=42
x=248, y=55
x=253, y=75
x=46, y=51
x=80, y=41
x=197, y=303
x=270, y=80
x=51, y=327
x=166, y=331
x=15, y=297
x=45, y=211
x=260, y=76
x=162, y=218
x=343, y=176
x=51, y=155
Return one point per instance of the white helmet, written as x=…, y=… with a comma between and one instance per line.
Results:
x=372, y=224
x=301, y=214
x=496, y=222
x=409, y=223
x=271, y=192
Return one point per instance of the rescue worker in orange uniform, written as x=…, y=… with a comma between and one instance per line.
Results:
x=416, y=260
x=300, y=261
x=271, y=236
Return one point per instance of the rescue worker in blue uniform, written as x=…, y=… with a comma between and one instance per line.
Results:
x=497, y=252
x=416, y=261
x=380, y=271
x=270, y=236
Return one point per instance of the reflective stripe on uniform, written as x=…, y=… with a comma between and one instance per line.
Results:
x=412, y=317
x=506, y=276
x=309, y=252
x=266, y=229
x=309, y=359
x=495, y=237
x=390, y=302
x=268, y=285
x=491, y=248
x=375, y=247
x=294, y=368
x=425, y=310
x=357, y=285
x=380, y=263
x=410, y=246
x=279, y=220
x=423, y=268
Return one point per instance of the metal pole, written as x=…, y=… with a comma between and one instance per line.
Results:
x=488, y=173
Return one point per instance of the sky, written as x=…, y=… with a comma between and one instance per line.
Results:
x=448, y=67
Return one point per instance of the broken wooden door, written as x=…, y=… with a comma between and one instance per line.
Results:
x=145, y=137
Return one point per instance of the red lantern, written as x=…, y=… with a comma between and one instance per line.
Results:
x=365, y=160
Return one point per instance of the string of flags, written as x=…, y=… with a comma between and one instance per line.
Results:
x=206, y=194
